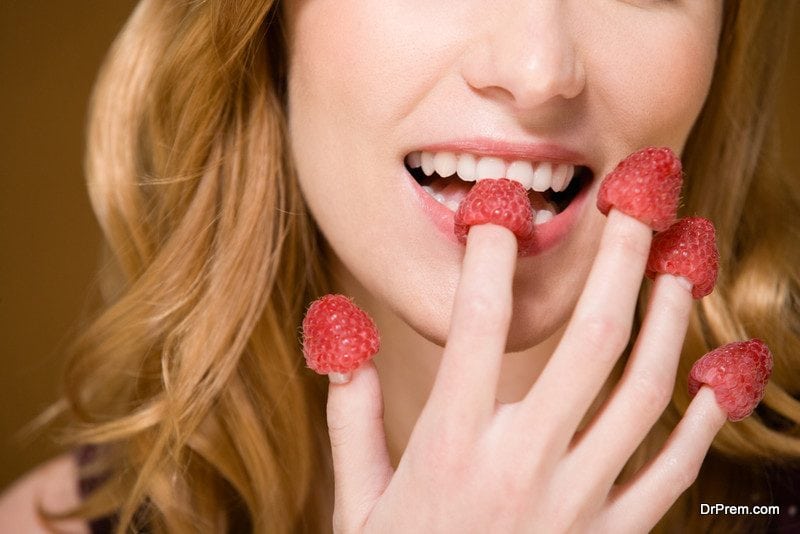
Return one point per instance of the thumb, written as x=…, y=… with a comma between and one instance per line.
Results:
x=361, y=464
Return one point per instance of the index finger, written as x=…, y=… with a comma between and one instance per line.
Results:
x=479, y=326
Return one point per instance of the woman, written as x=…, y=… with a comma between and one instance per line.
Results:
x=245, y=158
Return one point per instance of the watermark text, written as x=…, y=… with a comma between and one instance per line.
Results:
x=740, y=509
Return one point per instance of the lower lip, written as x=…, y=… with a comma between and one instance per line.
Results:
x=547, y=235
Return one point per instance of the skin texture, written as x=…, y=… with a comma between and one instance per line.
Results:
x=372, y=81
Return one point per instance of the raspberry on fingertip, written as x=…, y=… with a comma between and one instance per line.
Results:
x=645, y=185
x=338, y=337
x=737, y=372
x=687, y=249
x=498, y=201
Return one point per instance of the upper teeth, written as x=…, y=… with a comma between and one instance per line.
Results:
x=538, y=176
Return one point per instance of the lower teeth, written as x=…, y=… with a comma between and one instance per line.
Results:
x=554, y=203
x=542, y=216
x=539, y=216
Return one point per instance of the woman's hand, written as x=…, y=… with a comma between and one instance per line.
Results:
x=472, y=465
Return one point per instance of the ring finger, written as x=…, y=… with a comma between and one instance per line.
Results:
x=645, y=388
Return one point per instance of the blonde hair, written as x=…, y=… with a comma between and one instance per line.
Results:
x=191, y=381
x=735, y=178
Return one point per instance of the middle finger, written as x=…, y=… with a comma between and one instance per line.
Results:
x=596, y=334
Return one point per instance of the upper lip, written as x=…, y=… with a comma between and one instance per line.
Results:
x=509, y=150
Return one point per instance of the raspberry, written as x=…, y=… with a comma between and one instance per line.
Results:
x=646, y=185
x=338, y=336
x=498, y=201
x=688, y=248
x=737, y=372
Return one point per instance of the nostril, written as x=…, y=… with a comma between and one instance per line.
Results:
x=529, y=60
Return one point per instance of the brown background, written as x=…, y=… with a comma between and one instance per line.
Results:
x=49, y=55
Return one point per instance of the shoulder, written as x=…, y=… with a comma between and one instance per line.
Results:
x=52, y=486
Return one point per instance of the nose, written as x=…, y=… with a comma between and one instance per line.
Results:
x=524, y=51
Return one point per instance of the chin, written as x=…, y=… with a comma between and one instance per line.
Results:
x=530, y=325
x=539, y=313
x=526, y=333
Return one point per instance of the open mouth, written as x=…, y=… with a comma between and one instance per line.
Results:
x=448, y=177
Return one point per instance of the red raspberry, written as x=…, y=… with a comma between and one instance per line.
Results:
x=338, y=336
x=737, y=372
x=498, y=201
x=646, y=185
x=688, y=248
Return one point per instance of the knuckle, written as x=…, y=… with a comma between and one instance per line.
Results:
x=651, y=394
x=445, y=448
x=515, y=482
x=485, y=310
x=685, y=472
x=338, y=420
x=628, y=243
x=605, y=334
x=339, y=434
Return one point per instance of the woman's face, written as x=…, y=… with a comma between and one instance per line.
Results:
x=552, y=92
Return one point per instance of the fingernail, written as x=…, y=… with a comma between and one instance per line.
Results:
x=683, y=282
x=340, y=378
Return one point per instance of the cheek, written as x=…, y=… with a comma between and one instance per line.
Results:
x=348, y=76
x=654, y=78
x=364, y=63
x=357, y=69
x=334, y=89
